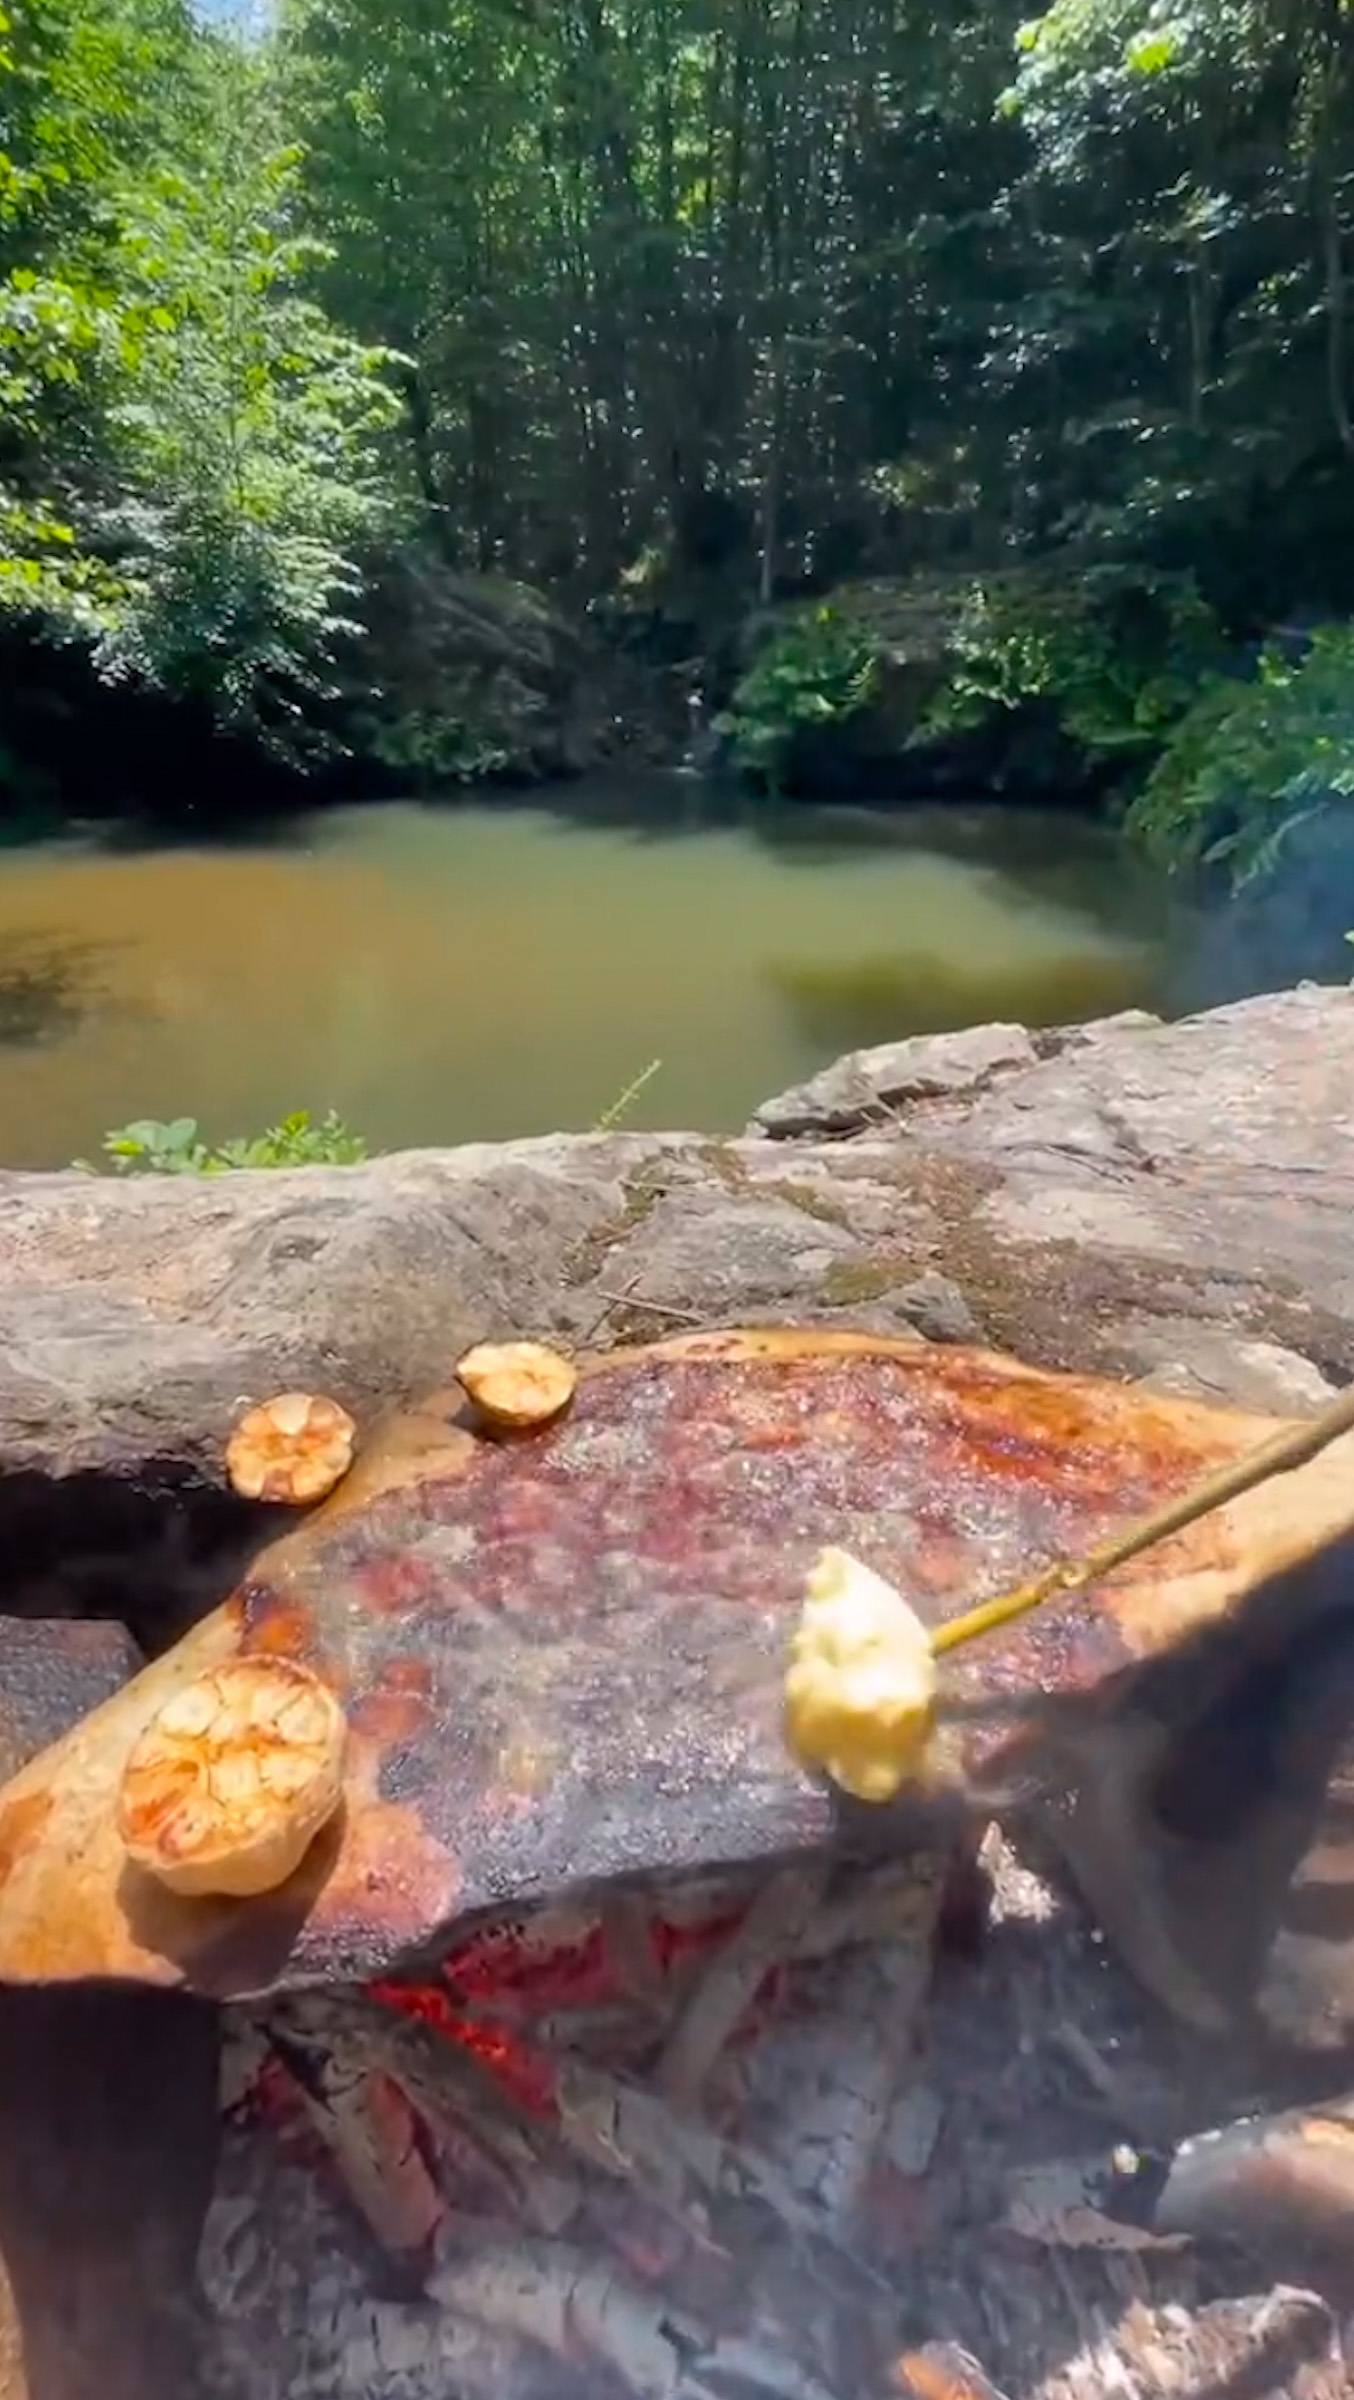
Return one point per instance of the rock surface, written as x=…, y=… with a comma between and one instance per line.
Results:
x=1166, y=1202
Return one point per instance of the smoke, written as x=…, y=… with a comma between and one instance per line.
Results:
x=1286, y=926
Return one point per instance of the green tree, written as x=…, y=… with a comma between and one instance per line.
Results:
x=246, y=428
x=673, y=305
x=84, y=99
x=195, y=447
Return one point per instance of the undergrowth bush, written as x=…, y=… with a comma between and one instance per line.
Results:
x=818, y=669
x=1251, y=760
x=431, y=748
x=1121, y=656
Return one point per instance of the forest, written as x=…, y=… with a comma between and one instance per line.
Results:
x=961, y=394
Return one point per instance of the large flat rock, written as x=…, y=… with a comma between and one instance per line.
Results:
x=1164, y=1202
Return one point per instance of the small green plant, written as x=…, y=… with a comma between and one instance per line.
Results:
x=148, y=1147
x=819, y=669
x=624, y=1101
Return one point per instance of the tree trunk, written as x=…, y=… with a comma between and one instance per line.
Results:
x=109, y=2128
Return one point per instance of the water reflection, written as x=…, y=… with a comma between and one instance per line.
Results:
x=852, y=1007
x=442, y=974
x=48, y=987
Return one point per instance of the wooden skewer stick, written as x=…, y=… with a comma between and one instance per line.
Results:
x=1279, y=1456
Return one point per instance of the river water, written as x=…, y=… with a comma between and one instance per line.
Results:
x=446, y=974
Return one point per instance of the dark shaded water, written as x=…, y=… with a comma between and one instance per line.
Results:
x=449, y=974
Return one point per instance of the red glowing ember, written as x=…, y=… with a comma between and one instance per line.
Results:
x=505, y=1986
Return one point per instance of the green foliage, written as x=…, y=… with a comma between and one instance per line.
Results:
x=784, y=290
x=1121, y=656
x=83, y=94
x=149, y=1147
x=1251, y=760
x=430, y=749
x=202, y=453
x=818, y=669
x=970, y=280
x=245, y=429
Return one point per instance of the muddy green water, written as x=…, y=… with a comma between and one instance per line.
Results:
x=447, y=974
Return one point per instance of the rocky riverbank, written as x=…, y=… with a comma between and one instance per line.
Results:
x=1156, y=1201
x=1162, y=1203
